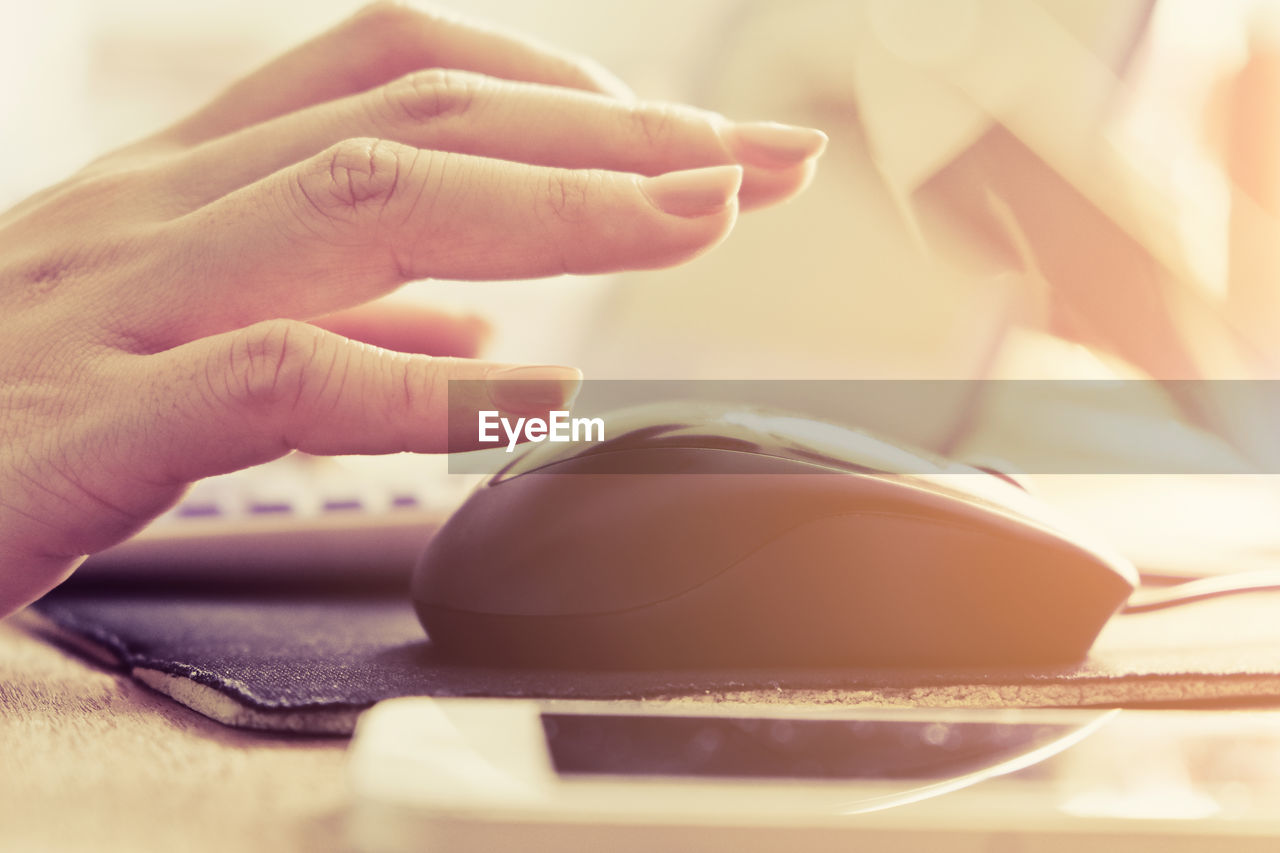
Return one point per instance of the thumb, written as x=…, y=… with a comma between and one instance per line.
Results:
x=251, y=395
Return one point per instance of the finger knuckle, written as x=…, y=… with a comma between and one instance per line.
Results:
x=101, y=197
x=654, y=124
x=100, y=187
x=353, y=176
x=37, y=278
x=566, y=194
x=418, y=378
x=74, y=266
x=265, y=365
x=431, y=95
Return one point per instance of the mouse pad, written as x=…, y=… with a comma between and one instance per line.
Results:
x=310, y=662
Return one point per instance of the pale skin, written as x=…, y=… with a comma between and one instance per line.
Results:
x=202, y=300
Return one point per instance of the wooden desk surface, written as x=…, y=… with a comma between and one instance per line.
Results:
x=90, y=760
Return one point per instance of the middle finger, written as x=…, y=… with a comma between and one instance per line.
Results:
x=541, y=125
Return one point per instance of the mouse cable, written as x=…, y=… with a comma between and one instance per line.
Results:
x=1201, y=589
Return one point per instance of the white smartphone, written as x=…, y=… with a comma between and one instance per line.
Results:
x=493, y=775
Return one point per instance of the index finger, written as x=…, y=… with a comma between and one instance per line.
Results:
x=381, y=42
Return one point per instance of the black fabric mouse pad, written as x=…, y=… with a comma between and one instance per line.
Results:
x=311, y=662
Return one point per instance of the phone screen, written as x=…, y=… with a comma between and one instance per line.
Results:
x=764, y=748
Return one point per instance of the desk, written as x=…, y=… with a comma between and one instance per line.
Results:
x=90, y=760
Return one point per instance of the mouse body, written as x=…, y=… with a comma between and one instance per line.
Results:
x=719, y=536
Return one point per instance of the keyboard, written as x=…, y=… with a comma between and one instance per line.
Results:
x=297, y=518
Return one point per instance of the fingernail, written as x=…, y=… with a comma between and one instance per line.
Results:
x=533, y=388
x=693, y=192
x=773, y=145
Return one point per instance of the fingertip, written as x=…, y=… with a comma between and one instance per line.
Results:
x=533, y=389
x=768, y=187
x=411, y=328
x=472, y=337
x=698, y=209
x=693, y=193
x=771, y=145
x=481, y=332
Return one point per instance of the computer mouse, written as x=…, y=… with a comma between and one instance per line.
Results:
x=724, y=536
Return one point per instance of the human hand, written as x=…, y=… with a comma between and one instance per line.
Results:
x=158, y=311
